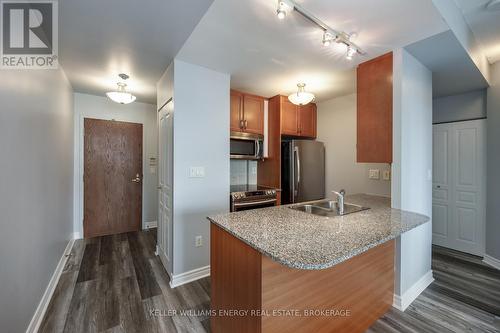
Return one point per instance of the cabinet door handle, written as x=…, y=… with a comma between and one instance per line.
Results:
x=241, y=124
x=246, y=124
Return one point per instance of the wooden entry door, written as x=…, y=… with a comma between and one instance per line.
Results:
x=112, y=177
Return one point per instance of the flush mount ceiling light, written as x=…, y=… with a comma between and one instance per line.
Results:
x=329, y=34
x=301, y=97
x=121, y=95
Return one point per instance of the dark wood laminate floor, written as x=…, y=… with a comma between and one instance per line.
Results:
x=111, y=284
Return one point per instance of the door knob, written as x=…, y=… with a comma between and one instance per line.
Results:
x=137, y=179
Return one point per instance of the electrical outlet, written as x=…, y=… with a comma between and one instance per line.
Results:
x=196, y=172
x=198, y=241
x=386, y=175
x=374, y=174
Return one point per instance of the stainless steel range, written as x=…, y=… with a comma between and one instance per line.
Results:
x=245, y=197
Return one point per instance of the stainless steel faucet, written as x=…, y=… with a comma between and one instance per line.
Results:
x=340, y=200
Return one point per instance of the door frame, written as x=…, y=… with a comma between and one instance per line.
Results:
x=79, y=170
x=481, y=124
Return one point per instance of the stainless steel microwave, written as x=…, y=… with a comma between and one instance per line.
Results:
x=247, y=146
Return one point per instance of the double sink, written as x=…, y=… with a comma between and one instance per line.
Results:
x=328, y=208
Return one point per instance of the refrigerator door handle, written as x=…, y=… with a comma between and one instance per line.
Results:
x=297, y=156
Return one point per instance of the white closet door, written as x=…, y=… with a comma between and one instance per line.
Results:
x=441, y=197
x=459, y=186
x=469, y=173
x=165, y=186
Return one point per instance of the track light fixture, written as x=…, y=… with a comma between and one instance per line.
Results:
x=329, y=35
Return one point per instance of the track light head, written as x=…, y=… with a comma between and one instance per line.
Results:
x=327, y=38
x=283, y=7
x=351, y=51
x=281, y=13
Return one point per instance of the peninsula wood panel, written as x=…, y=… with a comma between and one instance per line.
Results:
x=363, y=285
x=244, y=279
x=112, y=158
x=235, y=271
x=374, y=110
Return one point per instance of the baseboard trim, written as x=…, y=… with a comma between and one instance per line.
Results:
x=491, y=261
x=151, y=224
x=37, y=318
x=402, y=302
x=195, y=274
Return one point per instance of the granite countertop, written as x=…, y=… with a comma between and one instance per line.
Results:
x=306, y=241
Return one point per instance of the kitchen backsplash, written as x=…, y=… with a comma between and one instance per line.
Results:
x=243, y=172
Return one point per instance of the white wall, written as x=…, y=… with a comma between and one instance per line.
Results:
x=412, y=179
x=201, y=139
x=97, y=107
x=453, y=16
x=36, y=205
x=337, y=129
x=471, y=105
x=493, y=165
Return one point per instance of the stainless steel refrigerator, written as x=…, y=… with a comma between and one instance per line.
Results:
x=302, y=171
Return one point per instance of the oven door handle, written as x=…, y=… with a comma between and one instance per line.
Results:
x=253, y=203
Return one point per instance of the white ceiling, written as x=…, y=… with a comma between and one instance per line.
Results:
x=267, y=56
x=485, y=25
x=100, y=39
x=453, y=71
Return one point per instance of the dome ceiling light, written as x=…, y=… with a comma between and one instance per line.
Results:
x=329, y=34
x=301, y=97
x=121, y=95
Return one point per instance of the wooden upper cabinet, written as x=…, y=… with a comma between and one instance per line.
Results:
x=298, y=121
x=236, y=110
x=247, y=113
x=307, y=120
x=253, y=114
x=374, y=111
x=289, y=117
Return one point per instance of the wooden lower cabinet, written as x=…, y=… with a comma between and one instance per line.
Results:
x=273, y=298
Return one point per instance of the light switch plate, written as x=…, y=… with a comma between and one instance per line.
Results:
x=386, y=175
x=374, y=174
x=196, y=172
